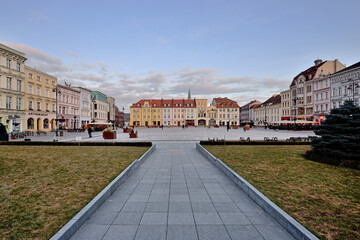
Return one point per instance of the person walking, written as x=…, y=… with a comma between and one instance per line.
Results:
x=89, y=132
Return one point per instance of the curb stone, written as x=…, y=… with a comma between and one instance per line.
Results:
x=80, y=218
x=290, y=224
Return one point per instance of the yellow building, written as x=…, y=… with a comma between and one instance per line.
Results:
x=40, y=100
x=146, y=113
x=201, y=109
x=12, y=89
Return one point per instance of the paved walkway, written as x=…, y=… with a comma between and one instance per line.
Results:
x=177, y=194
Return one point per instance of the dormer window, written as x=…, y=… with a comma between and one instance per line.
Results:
x=154, y=104
x=138, y=105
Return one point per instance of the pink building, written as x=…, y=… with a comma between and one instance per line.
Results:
x=68, y=105
x=321, y=97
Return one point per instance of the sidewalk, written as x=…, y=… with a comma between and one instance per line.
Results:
x=177, y=194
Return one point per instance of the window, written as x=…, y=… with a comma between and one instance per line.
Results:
x=18, y=103
x=8, y=63
x=8, y=102
x=18, y=85
x=38, y=106
x=18, y=66
x=47, y=107
x=30, y=75
x=53, y=83
x=8, y=83
x=38, y=78
x=30, y=105
x=46, y=81
x=38, y=90
x=53, y=107
x=95, y=106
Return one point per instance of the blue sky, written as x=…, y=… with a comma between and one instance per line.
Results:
x=130, y=50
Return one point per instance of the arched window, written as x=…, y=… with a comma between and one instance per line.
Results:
x=46, y=123
x=30, y=123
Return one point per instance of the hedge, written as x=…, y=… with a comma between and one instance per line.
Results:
x=254, y=143
x=43, y=143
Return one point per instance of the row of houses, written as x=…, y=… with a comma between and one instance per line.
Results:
x=311, y=95
x=189, y=112
x=31, y=100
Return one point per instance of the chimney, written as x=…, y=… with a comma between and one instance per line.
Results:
x=335, y=65
x=317, y=62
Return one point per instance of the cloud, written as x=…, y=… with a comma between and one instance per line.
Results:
x=128, y=88
x=71, y=54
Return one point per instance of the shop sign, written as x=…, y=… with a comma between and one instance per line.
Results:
x=13, y=116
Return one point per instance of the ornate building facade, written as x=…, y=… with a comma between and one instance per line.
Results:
x=12, y=89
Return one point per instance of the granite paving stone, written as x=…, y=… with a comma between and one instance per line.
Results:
x=176, y=232
x=123, y=232
x=177, y=194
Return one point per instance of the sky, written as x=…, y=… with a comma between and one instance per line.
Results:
x=132, y=50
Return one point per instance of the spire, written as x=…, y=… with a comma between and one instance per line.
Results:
x=189, y=95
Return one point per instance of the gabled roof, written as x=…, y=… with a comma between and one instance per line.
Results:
x=225, y=103
x=308, y=73
x=275, y=99
x=349, y=68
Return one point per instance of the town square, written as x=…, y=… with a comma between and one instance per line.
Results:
x=180, y=120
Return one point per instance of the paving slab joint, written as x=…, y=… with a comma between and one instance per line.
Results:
x=290, y=224
x=80, y=218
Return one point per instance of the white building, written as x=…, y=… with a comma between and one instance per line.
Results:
x=345, y=85
x=85, y=106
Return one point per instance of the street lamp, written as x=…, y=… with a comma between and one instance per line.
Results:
x=265, y=104
x=295, y=99
x=56, y=91
x=352, y=86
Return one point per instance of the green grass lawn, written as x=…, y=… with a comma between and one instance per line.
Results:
x=324, y=198
x=43, y=187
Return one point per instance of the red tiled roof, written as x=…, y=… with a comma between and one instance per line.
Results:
x=190, y=102
x=225, y=103
x=311, y=71
x=167, y=101
x=161, y=102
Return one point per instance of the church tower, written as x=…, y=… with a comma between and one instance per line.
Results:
x=189, y=95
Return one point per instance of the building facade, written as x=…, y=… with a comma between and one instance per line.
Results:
x=40, y=100
x=167, y=112
x=246, y=112
x=100, y=108
x=302, y=88
x=228, y=111
x=85, y=105
x=201, y=110
x=285, y=105
x=269, y=111
x=345, y=85
x=12, y=89
x=68, y=101
x=322, y=97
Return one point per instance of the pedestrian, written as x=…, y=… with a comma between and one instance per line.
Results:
x=89, y=132
x=244, y=129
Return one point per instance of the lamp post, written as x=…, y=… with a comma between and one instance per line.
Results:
x=352, y=86
x=295, y=99
x=265, y=122
x=56, y=119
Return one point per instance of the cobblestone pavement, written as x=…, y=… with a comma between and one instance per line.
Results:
x=180, y=134
x=177, y=194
